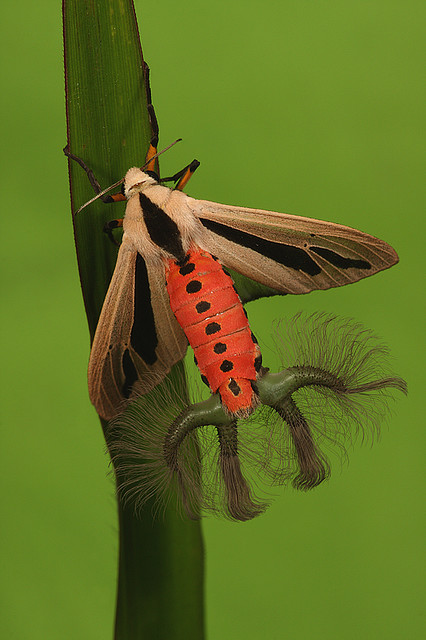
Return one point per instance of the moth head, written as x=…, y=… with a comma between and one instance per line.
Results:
x=136, y=181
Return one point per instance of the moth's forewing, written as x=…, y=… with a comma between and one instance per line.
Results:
x=291, y=254
x=137, y=340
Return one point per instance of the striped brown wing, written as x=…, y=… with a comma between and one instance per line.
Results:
x=137, y=339
x=289, y=253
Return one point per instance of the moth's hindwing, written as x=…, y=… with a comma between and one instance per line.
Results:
x=290, y=254
x=137, y=339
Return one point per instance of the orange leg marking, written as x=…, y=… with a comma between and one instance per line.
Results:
x=188, y=173
x=118, y=197
x=151, y=152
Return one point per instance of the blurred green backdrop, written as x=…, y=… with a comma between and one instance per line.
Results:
x=311, y=108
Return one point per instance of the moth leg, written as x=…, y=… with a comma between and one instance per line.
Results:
x=183, y=175
x=188, y=171
x=152, y=150
x=109, y=226
x=116, y=197
x=150, y=160
x=175, y=177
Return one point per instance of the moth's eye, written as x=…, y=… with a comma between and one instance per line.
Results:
x=135, y=185
x=122, y=189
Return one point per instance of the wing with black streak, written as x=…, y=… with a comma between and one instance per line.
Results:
x=290, y=254
x=138, y=339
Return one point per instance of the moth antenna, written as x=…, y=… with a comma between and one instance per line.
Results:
x=99, y=195
x=116, y=184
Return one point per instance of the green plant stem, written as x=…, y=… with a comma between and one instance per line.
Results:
x=160, y=586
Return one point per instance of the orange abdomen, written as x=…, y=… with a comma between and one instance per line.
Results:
x=209, y=310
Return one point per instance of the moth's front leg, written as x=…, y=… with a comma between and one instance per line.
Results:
x=109, y=226
x=187, y=173
x=152, y=150
x=183, y=175
x=107, y=199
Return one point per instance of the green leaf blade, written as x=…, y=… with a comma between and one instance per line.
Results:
x=160, y=587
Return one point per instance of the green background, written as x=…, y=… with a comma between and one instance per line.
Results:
x=311, y=108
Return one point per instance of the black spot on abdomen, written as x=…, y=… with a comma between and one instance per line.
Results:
x=234, y=388
x=212, y=327
x=220, y=347
x=194, y=286
x=226, y=366
x=203, y=306
x=187, y=268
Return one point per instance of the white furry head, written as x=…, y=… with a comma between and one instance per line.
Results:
x=136, y=181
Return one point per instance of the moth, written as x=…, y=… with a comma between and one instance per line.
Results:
x=170, y=286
